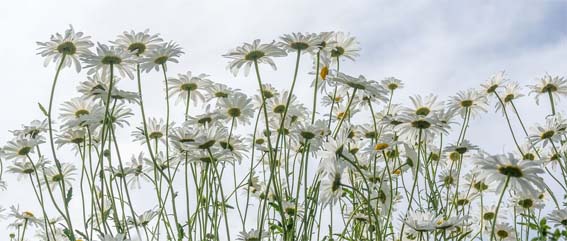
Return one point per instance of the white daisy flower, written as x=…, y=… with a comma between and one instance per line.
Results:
x=20, y=148
x=159, y=56
x=391, y=83
x=186, y=86
x=32, y=130
x=304, y=42
x=494, y=82
x=549, y=133
x=67, y=47
x=522, y=175
x=143, y=219
x=110, y=237
x=425, y=105
x=510, y=94
x=426, y=221
x=248, y=54
x=470, y=101
x=331, y=189
x=558, y=217
x=120, y=59
x=138, y=43
x=155, y=131
x=253, y=235
x=554, y=86
x=345, y=46
x=56, y=177
x=503, y=232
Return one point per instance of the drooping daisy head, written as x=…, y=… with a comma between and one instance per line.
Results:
x=66, y=47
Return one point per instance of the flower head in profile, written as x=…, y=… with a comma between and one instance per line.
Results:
x=304, y=42
x=143, y=219
x=519, y=175
x=249, y=54
x=160, y=56
x=138, y=43
x=66, y=47
x=23, y=217
x=510, y=94
x=494, y=82
x=554, y=86
x=470, y=102
x=121, y=60
x=360, y=83
x=55, y=177
x=426, y=221
x=33, y=130
x=558, y=217
x=549, y=133
x=20, y=148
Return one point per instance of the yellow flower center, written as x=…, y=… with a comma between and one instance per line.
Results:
x=28, y=214
x=381, y=146
x=324, y=72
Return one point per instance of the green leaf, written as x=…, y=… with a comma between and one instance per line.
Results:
x=69, y=196
x=69, y=234
x=42, y=108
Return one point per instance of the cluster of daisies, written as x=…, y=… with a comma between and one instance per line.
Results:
x=350, y=163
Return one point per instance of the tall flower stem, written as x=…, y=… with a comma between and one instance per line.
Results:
x=492, y=236
x=508, y=121
x=169, y=178
x=51, y=142
x=270, y=149
x=316, y=87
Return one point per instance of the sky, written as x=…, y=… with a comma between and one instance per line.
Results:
x=435, y=47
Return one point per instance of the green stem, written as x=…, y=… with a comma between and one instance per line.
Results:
x=492, y=236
